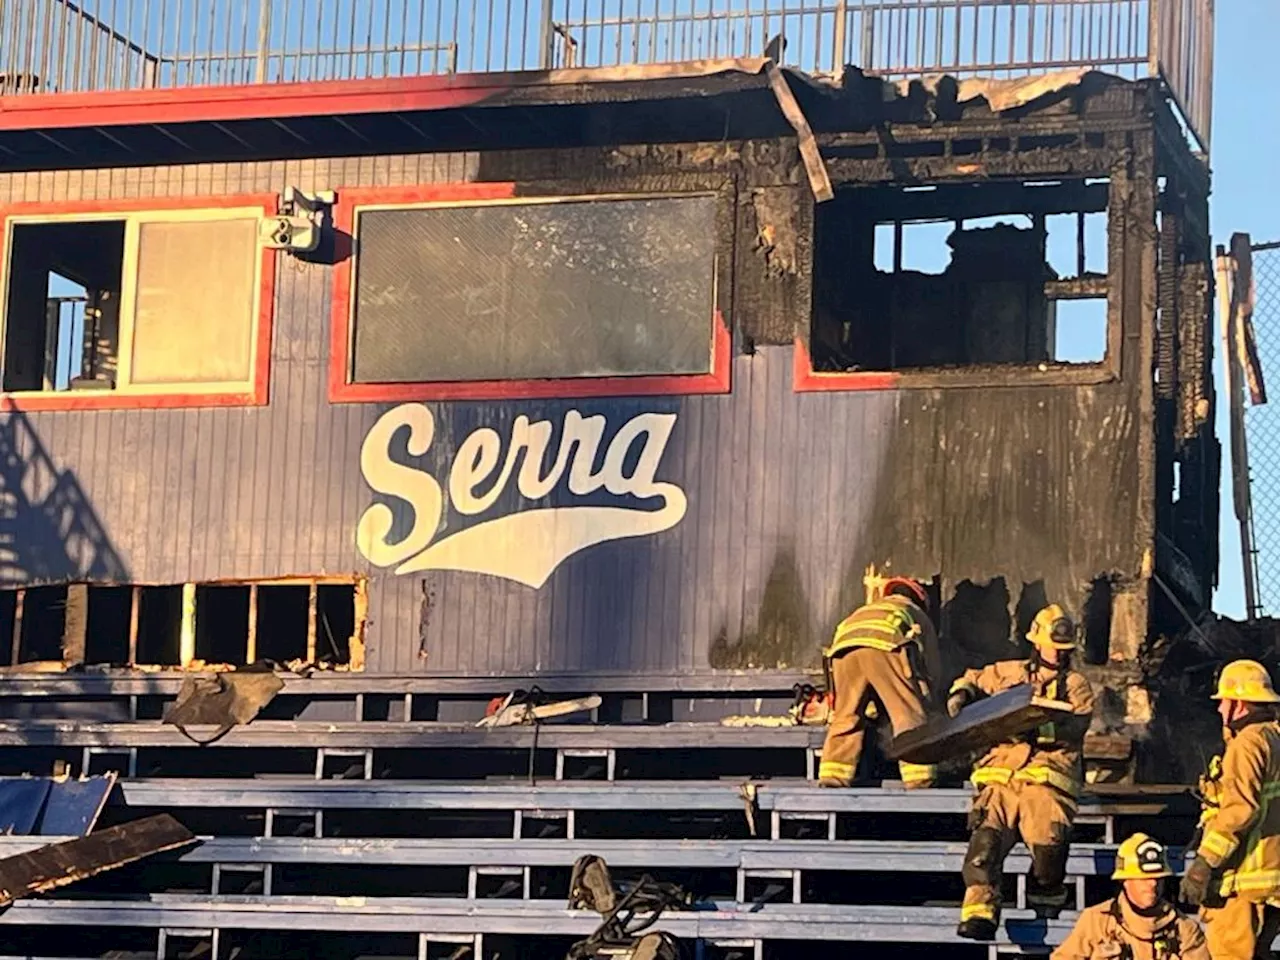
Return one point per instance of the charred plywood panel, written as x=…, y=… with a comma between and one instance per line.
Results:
x=995, y=482
x=764, y=506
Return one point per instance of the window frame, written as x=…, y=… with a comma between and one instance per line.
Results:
x=1109, y=369
x=353, y=200
x=251, y=392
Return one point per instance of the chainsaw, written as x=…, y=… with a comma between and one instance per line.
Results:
x=520, y=707
x=812, y=707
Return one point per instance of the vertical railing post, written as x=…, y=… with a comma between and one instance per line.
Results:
x=546, y=36
x=1154, y=9
x=264, y=40
x=1204, y=81
x=867, y=57
x=838, y=38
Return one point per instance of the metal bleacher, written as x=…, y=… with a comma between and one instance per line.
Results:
x=423, y=836
x=759, y=880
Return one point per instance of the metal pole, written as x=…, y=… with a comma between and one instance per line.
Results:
x=866, y=61
x=1239, y=450
x=838, y=40
x=546, y=35
x=1153, y=37
x=264, y=39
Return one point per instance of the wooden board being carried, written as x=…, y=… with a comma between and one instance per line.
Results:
x=979, y=726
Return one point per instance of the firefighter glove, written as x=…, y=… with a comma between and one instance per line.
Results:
x=1195, y=884
x=957, y=702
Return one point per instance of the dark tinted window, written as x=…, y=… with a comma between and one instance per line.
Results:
x=581, y=288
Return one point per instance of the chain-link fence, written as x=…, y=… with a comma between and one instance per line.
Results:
x=1262, y=432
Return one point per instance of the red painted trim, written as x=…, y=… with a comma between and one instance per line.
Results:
x=110, y=400
x=108, y=108
x=341, y=390
x=805, y=380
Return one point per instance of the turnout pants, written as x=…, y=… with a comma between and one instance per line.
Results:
x=1241, y=929
x=862, y=676
x=1042, y=817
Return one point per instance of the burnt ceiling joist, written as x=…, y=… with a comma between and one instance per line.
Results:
x=724, y=101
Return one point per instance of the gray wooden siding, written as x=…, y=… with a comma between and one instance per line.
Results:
x=790, y=495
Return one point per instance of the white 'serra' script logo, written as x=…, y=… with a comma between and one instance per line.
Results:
x=526, y=545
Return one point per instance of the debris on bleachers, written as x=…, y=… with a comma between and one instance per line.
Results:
x=52, y=806
x=224, y=700
x=60, y=864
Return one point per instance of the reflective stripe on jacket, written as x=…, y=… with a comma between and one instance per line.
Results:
x=1242, y=838
x=884, y=625
x=1030, y=774
x=1051, y=754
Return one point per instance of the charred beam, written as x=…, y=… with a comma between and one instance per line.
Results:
x=61, y=864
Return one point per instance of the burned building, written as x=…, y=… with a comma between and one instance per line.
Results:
x=608, y=380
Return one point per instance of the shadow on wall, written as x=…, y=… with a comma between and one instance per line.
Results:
x=782, y=638
x=48, y=529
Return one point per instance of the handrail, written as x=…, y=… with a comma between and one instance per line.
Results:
x=106, y=44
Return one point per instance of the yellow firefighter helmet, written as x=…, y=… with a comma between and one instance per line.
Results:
x=1246, y=680
x=1053, y=628
x=1141, y=858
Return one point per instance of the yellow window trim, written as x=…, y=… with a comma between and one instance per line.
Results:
x=132, y=220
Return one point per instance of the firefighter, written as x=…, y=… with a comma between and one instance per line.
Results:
x=1138, y=923
x=1235, y=877
x=1026, y=786
x=877, y=663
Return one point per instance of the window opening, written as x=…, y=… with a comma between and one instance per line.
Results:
x=1080, y=330
x=62, y=306
x=108, y=304
x=960, y=276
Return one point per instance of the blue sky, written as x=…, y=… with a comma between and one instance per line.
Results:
x=1245, y=156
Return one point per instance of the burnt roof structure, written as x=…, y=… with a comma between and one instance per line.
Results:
x=625, y=379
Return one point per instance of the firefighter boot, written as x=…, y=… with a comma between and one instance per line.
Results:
x=1046, y=892
x=980, y=915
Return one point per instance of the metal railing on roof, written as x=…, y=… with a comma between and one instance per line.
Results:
x=82, y=45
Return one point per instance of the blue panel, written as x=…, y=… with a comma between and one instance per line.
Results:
x=789, y=495
x=21, y=800
x=74, y=805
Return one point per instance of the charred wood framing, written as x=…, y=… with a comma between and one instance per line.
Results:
x=1005, y=476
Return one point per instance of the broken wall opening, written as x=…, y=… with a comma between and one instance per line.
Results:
x=109, y=619
x=159, y=637
x=42, y=624
x=335, y=622
x=310, y=620
x=977, y=624
x=284, y=618
x=232, y=624
x=222, y=623
x=1096, y=621
x=956, y=275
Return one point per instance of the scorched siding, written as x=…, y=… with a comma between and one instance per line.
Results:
x=790, y=495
